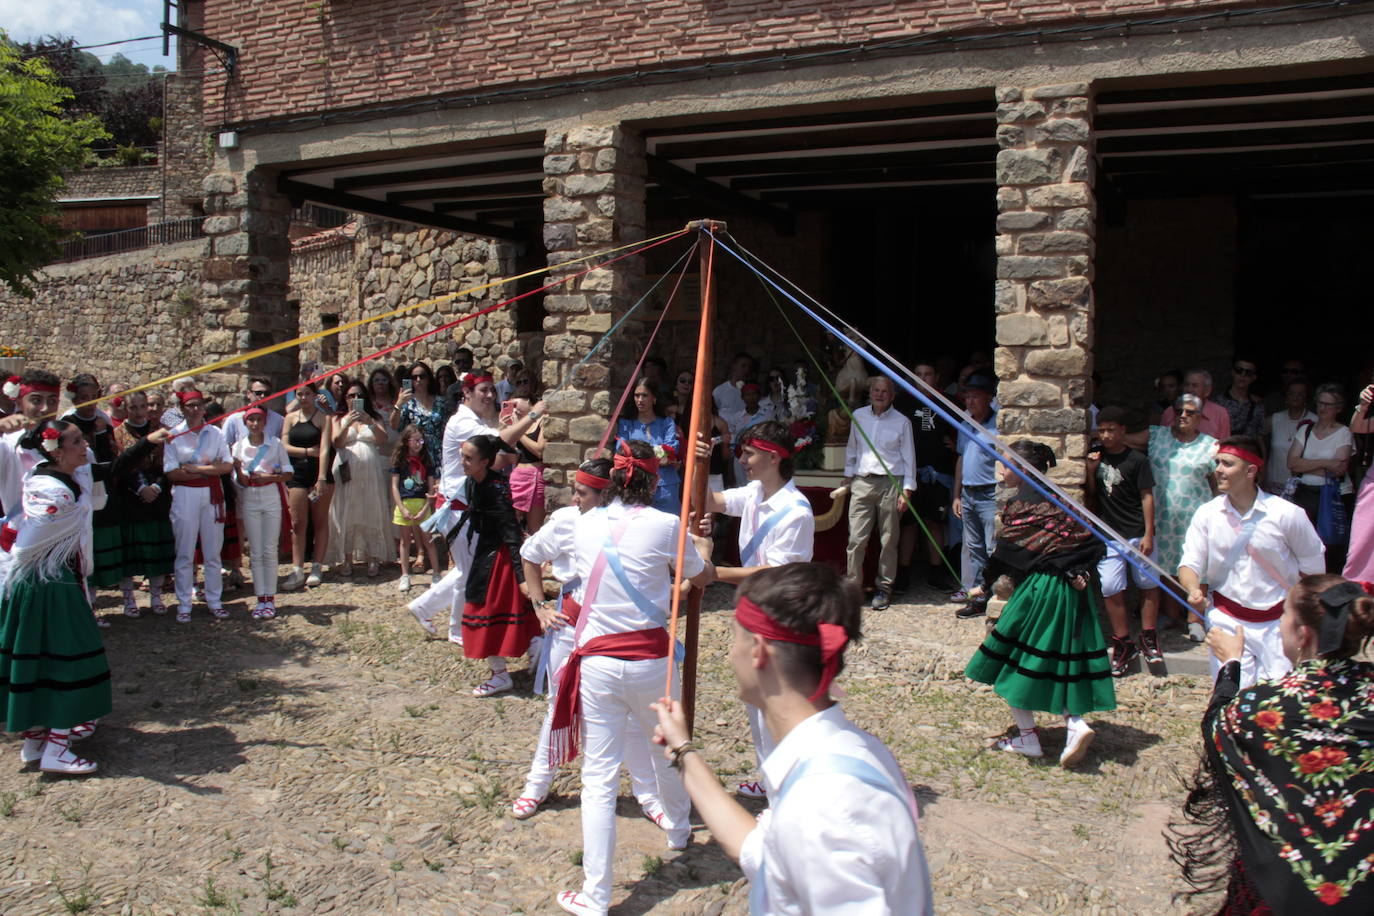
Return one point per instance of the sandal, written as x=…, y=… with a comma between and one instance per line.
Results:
x=156, y=605
x=654, y=812
x=218, y=613
x=131, y=607
x=264, y=611
x=183, y=616
x=102, y=623
x=497, y=683
x=82, y=731
x=524, y=807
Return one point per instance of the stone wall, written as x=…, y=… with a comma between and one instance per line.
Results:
x=114, y=182
x=130, y=317
x=1044, y=292
x=186, y=149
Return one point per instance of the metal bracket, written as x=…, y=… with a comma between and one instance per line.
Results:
x=228, y=54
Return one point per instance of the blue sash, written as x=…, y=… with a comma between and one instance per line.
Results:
x=638, y=598
x=748, y=551
x=825, y=764
x=541, y=671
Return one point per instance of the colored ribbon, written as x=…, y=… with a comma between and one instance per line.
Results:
x=624, y=460
x=591, y=480
x=1243, y=454
x=830, y=637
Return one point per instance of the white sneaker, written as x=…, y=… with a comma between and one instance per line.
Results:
x=293, y=581
x=1027, y=745
x=1076, y=746
x=313, y=580
x=426, y=623
x=404, y=584
x=1195, y=632
x=751, y=790
x=574, y=902
x=455, y=637
x=499, y=682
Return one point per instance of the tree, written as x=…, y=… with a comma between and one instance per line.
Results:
x=125, y=96
x=36, y=143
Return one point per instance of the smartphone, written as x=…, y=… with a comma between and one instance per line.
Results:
x=329, y=401
x=408, y=384
x=356, y=405
x=507, y=411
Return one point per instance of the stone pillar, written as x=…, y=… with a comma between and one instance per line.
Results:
x=1044, y=296
x=594, y=187
x=244, y=278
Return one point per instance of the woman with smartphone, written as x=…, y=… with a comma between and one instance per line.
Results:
x=421, y=405
x=309, y=435
x=360, y=517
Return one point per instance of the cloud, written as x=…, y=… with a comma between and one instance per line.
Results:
x=88, y=21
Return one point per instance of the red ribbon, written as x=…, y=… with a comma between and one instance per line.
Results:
x=1242, y=454
x=190, y=394
x=472, y=381
x=216, y=488
x=32, y=387
x=831, y=639
x=591, y=480
x=624, y=459
x=565, y=731
x=764, y=445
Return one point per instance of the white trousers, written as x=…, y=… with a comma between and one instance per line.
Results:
x=448, y=594
x=260, y=521
x=1262, y=659
x=638, y=751
x=613, y=693
x=193, y=519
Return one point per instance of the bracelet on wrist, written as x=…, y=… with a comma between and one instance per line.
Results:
x=682, y=750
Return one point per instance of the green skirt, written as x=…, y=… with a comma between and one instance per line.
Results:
x=148, y=548
x=53, y=671
x=1046, y=652
x=108, y=559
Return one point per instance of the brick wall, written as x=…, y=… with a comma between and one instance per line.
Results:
x=301, y=57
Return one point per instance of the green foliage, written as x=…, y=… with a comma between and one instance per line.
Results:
x=36, y=145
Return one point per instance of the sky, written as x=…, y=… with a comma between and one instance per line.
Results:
x=91, y=22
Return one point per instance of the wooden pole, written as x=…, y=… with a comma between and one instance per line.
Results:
x=701, y=423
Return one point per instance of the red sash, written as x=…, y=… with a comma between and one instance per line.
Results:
x=216, y=488
x=566, y=729
x=1241, y=612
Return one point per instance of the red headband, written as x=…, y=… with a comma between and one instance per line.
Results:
x=624, y=460
x=1242, y=454
x=591, y=480
x=472, y=381
x=190, y=394
x=22, y=391
x=831, y=639
x=750, y=386
x=764, y=445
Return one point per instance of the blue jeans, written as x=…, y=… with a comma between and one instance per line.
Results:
x=980, y=521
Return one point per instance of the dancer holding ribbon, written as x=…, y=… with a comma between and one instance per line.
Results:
x=777, y=527
x=625, y=556
x=1243, y=551
x=841, y=832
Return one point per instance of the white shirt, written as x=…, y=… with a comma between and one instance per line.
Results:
x=790, y=540
x=890, y=433
x=15, y=463
x=1315, y=448
x=206, y=446
x=274, y=457
x=234, y=428
x=1281, y=430
x=503, y=390
x=728, y=398
x=648, y=549
x=834, y=844
x=740, y=420
x=554, y=543
x=462, y=426
x=1283, y=538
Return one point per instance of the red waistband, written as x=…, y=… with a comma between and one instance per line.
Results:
x=199, y=483
x=1245, y=614
x=258, y=482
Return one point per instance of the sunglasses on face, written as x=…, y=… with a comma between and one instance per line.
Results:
x=1241, y=370
x=259, y=394
x=1188, y=412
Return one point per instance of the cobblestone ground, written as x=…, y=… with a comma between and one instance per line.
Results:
x=334, y=761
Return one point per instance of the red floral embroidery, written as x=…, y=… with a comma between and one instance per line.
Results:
x=1324, y=710
x=1269, y=719
x=1320, y=759
x=1330, y=894
x=1330, y=812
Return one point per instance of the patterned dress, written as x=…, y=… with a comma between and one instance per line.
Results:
x=1182, y=473
x=429, y=422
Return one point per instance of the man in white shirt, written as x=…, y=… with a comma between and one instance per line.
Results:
x=621, y=660
x=777, y=527
x=259, y=389
x=1249, y=548
x=728, y=401
x=880, y=450
x=841, y=832
x=195, y=459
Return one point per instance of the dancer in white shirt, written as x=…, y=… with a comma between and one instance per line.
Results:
x=554, y=543
x=777, y=527
x=841, y=832
x=880, y=449
x=625, y=555
x=195, y=459
x=1249, y=548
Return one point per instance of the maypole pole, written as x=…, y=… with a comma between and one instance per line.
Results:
x=694, y=488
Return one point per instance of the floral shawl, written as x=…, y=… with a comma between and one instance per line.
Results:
x=1294, y=760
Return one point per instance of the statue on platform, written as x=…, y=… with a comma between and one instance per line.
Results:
x=852, y=383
